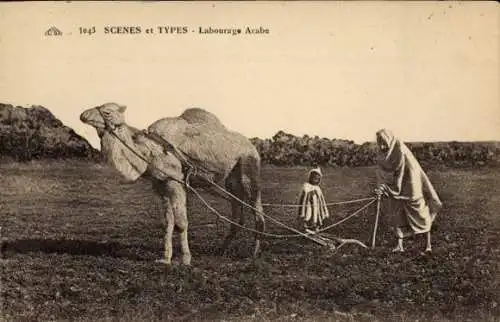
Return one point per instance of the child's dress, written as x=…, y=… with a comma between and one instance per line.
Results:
x=312, y=206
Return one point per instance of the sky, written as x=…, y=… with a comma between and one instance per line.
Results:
x=429, y=71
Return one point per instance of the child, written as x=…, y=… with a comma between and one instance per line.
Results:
x=312, y=206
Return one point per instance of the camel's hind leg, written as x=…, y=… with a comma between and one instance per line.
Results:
x=251, y=184
x=244, y=183
x=259, y=220
x=233, y=185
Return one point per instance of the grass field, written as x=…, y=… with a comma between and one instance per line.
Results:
x=80, y=245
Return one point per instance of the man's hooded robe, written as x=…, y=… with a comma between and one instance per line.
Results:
x=414, y=201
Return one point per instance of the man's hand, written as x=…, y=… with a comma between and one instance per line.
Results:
x=381, y=190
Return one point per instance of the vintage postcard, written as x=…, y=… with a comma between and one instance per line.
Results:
x=264, y=160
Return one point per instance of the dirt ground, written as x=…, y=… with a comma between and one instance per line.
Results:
x=80, y=245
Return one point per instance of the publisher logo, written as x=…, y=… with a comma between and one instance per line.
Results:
x=53, y=31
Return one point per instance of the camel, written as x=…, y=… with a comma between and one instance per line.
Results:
x=194, y=137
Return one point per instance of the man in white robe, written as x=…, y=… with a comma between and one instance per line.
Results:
x=413, y=201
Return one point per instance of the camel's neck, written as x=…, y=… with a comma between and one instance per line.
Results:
x=122, y=152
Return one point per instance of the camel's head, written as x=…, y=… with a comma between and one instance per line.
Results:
x=106, y=115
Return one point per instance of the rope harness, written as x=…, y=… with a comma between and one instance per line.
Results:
x=193, y=170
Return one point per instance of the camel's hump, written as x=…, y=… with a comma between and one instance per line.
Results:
x=201, y=116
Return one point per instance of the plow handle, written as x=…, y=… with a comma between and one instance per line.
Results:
x=374, y=235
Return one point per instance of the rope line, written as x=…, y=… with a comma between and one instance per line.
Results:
x=284, y=225
x=240, y=225
x=348, y=217
x=242, y=202
x=328, y=204
x=297, y=232
x=278, y=236
x=260, y=211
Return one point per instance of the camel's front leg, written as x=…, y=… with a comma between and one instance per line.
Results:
x=179, y=206
x=177, y=216
x=186, y=253
x=169, y=232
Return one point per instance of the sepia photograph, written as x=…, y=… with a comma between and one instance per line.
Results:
x=250, y=161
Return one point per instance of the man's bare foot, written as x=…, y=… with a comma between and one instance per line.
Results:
x=398, y=249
